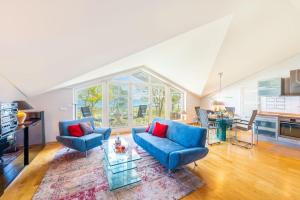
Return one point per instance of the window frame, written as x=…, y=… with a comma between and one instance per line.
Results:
x=105, y=95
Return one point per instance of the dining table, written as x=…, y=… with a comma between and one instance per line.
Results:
x=222, y=123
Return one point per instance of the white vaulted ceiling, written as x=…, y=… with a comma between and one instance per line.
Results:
x=186, y=59
x=51, y=44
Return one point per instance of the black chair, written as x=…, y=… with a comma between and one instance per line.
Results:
x=244, y=126
x=203, y=116
x=86, y=112
x=142, y=111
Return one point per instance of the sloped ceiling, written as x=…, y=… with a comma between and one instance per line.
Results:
x=262, y=33
x=186, y=59
x=52, y=44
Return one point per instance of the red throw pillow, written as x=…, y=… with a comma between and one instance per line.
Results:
x=160, y=130
x=148, y=128
x=75, y=130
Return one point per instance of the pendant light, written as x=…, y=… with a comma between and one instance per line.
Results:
x=218, y=105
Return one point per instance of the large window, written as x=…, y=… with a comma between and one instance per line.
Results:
x=158, y=101
x=91, y=98
x=140, y=104
x=130, y=100
x=118, y=105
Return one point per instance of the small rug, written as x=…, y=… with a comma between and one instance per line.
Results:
x=73, y=176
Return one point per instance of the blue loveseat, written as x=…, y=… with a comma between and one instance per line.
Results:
x=86, y=142
x=184, y=144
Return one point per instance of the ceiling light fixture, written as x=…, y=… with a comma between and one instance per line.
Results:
x=218, y=105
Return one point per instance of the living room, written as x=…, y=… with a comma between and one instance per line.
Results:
x=150, y=100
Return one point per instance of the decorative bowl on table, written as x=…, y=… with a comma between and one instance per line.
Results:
x=120, y=148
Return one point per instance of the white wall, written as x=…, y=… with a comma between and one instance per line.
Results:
x=191, y=101
x=57, y=106
x=243, y=94
x=9, y=92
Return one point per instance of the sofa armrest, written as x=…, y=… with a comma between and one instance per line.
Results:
x=186, y=156
x=104, y=131
x=138, y=130
x=72, y=142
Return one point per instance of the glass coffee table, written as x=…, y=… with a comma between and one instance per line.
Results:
x=120, y=167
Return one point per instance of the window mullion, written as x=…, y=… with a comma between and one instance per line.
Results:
x=130, y=106
x=167, y=102
x=150, y=100
x=105, y=110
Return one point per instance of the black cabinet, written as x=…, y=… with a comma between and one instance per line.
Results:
x=290, y=129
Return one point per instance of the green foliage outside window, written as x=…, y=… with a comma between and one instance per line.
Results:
x=90, y=97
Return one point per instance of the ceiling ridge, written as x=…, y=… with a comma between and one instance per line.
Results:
x=216, y=57
x=14, y=85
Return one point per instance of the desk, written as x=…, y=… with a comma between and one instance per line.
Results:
x=23, y=137
x=30, y=140
x=30, y=134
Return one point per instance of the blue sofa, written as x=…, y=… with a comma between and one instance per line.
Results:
x=184, y=144
x=86, y=142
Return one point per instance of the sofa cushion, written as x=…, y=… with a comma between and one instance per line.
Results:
x=92, y=140
x=185, y=135
x=160, y=130
x=75, y=130
x=160, y=148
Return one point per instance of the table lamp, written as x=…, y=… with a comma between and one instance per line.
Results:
x=22, y=105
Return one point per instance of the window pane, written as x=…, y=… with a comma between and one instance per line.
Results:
x=118, y=105
x=177, y=99
x=142, y=76
x=156, y=81
x=140, y=105
x=92, y=98
x=158, y=101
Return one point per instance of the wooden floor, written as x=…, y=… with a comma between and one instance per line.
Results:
x=268, y=171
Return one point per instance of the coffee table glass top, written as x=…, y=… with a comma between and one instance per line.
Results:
x=120, y=167
x=114, y=158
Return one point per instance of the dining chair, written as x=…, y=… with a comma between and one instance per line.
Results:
x=244, y=126
x=197, y=108
x=203, y=116
x=230, y=111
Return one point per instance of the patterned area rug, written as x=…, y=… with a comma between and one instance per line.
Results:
x=73, y=176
